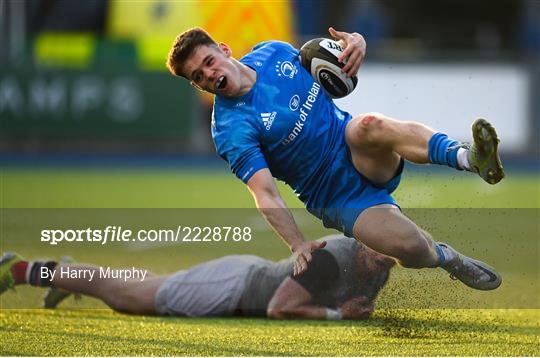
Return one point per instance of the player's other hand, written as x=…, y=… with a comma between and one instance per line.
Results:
x=355, y=50
x=357, y=308
x=302, y=255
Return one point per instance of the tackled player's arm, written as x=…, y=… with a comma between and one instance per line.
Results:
x=291, y=300
x=270, y=204
x=294, y=298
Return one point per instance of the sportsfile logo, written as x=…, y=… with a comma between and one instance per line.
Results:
x=268, y=119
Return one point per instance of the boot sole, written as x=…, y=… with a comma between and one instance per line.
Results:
x=495, y=172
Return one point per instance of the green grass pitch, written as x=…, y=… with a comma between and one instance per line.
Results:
x=420, y=313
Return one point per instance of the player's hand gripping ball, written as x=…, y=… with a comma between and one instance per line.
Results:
x=320, y=57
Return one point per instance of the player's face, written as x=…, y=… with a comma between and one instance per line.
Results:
x=211, y=69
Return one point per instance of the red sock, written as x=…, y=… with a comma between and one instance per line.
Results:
x=19, y=272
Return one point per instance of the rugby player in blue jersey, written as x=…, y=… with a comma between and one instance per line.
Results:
x=271, y=120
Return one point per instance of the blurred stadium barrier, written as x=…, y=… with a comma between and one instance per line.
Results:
x=449, y=97
x=116, y=88
x=85, y=73
x=98, y=102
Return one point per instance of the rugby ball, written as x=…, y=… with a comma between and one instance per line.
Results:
x=320, y=57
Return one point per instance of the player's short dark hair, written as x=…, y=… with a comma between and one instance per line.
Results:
x=183, y=46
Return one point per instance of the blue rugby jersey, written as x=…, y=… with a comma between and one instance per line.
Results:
x=286, y=123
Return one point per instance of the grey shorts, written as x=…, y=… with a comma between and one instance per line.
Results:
x=209, y=289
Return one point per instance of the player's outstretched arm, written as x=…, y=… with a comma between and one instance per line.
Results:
x=355, y=50
x=275, y=211
x=291, y=300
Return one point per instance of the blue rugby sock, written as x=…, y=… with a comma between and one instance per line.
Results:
x=440, y=256
x=443, y=150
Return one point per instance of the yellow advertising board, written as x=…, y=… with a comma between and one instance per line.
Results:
x=154, y=24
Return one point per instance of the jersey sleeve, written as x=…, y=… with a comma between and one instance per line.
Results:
x=276, y=46
x=237, y=142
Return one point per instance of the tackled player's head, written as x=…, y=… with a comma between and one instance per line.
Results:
x=196, y=56
x=374, y=271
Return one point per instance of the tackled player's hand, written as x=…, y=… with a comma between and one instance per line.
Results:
x=302, y=255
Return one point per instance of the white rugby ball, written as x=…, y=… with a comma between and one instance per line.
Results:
x=320, y=57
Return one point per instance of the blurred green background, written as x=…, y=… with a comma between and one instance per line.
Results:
x=85, y=82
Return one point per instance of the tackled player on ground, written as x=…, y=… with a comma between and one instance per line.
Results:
x=342, y=281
